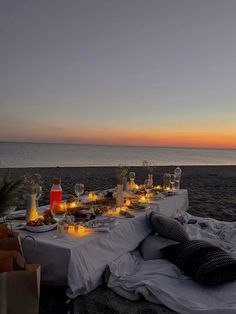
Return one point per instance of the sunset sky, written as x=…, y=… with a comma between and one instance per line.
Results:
x=134, y=72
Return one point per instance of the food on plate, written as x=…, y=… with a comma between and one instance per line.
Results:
x=45, y=219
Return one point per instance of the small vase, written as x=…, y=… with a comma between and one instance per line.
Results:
x=31, y=212
x=125, y=184
x=150, y=179
x=119, y=195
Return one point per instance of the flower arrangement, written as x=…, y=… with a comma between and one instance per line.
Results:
x=121, y=172
x=149, y=166
x=32, y=183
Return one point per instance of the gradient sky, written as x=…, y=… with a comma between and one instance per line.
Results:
x=140, y=72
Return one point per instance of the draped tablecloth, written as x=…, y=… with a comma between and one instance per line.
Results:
x=78, y=262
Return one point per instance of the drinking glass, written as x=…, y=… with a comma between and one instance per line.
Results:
x=177, y=173
x=131, y=180
x=39, y=191
x=79, y=189
x=132, y=176
x=172, y=181
x=147, y=187
x=59, y=209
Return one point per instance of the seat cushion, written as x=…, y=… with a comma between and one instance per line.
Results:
x=168, y=227
x=204, y=262
x=151, y=246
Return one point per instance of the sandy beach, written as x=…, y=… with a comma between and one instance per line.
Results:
x=211, y=189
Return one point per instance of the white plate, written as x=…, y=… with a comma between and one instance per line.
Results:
x=104, y=224
x=42, y=228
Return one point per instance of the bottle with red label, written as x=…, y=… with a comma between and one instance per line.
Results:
x=56, y=191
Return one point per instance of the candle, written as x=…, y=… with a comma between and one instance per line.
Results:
x=92, y=196
x=71, y=229
x=142, y=198
x=127, y=202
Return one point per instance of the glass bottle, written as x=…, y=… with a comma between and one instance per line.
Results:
x=166, y=180
x=56, y=191
x=177, y=174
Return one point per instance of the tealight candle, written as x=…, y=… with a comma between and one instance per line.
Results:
x=127, y=202
x=142, y=198
x=92, y=196
x=71, y=229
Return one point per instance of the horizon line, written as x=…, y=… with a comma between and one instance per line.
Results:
x=121, y=145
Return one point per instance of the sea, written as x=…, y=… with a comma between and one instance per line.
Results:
x=23, y=155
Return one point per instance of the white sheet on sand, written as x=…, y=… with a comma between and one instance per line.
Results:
x=160, y=281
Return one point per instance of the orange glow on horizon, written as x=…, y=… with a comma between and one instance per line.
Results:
x=225, y=138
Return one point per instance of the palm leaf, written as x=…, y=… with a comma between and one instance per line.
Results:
x=8, y=189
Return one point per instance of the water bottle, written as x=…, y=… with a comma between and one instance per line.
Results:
x=177, y=173
x=166, y=180
x=55, y=192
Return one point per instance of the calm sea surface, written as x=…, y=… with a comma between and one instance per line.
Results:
x=70, y=155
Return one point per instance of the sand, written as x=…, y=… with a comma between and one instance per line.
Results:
x=212, y=189
x=212, y=193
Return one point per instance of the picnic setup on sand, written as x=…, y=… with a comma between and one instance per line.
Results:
x=137, y=238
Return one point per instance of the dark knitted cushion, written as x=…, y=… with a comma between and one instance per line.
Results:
x=151, y=245
x=168, y=227
x=202, y=261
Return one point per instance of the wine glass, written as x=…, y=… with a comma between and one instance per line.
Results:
x=59, y=209
x=39, y=191
x=131, y=180
x=79, y=189
x=172, y=181
x=147, y=187
x=132, y=176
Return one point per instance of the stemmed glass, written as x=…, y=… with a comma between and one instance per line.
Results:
x=39, y=191
x=147, y=187
x=172, y=181
x=131, y=179
x=59, y=209
x=79, y=190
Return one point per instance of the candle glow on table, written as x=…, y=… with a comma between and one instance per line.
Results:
x=143, y=198
x=127, y=202
x=115, y=211
x=78, y=230
x=72, y=204
x=92, y=196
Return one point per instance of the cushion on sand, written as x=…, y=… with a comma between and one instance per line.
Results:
x=151, y=246
x=204, y=262
x=168, y=227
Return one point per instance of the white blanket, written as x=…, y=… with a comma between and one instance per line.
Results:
x=160, y=281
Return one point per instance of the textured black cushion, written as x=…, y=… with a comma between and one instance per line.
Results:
x=168, y=227
x=202, y=261
x=151, y=245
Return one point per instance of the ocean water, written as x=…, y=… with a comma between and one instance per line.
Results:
x=72, y=155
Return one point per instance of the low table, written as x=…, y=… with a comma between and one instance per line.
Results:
x=79, y=262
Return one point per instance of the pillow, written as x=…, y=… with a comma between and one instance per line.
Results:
x=151, y=245
x=204, y=262
x=168, y=227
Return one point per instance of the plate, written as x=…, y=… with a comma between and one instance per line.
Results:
x=103, y=225
x=42, y=228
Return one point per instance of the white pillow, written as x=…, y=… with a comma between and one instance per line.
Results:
x=151, y=246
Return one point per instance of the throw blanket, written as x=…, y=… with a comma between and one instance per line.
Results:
x=161, y=282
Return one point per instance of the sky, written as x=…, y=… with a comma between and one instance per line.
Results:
x=133, y=72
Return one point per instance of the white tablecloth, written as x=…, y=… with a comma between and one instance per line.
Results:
x=79, y=261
